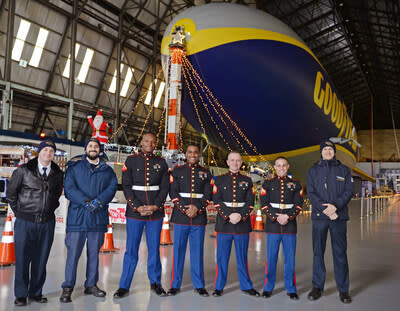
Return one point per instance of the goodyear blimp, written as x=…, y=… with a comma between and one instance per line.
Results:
x=267, y=80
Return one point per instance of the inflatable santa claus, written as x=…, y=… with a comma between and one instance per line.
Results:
x=100, y=127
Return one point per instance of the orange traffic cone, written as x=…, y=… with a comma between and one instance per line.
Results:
x=165, y=238
x=259, y=224
x=108, y=245
x=7, y=248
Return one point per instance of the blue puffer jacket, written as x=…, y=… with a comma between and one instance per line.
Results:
x=329, y=181
x=83, y=183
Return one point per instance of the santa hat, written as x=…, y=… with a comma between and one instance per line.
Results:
x=99, y=113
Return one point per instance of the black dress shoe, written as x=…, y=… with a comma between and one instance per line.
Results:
x=266, y=294
x=95, y=291
x=173, y=291
x=345, y=297
x=40, y=299
x=293, y=296
x=201, y=291
x=66, y=294
x=121, y=292
x=315, y=294
x=217, y=293
x=158, y=290
x=251, y=292
x=20, y=301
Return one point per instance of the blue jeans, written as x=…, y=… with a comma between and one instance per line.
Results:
x=75, y=241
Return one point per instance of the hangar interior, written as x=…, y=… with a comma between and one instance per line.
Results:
x=117, y=68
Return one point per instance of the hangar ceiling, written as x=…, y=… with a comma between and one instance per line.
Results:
x=357, y=42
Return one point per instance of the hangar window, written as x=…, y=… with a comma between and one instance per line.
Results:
x=20, y=40
x=68, y=64
x=85, y=66
x=127, y=81
x=157, y=99
x=39, y=46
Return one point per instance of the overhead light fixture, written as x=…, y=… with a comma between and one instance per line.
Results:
x=38, y=50
x=127, y=82
x=68, y=64
x=341, y=4
x=159, y=94
x=85, y=65
x=20, y=40
x=113, y=84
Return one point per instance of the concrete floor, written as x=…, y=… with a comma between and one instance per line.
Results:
x=374, y=259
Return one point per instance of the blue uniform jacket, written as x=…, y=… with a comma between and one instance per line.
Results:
x=329, y=181
x=83, y=183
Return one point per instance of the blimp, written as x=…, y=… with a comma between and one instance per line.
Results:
x=250, y=83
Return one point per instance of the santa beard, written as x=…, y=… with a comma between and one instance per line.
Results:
x=97, y=122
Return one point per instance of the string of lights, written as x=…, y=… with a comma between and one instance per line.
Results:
x=215, y=100
x=140, y=100
x=205, y=106
x=203, y=87
x=200, y=83
x=160, y=126
x=197, y=111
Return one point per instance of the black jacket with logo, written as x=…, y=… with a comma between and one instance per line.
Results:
x=329, y=181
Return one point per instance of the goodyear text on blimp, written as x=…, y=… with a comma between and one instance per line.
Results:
x=327, y=100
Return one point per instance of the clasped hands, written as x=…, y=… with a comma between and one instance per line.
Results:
x=330, y=211
x=283, y=219
x=234, y=218
x=147, y=210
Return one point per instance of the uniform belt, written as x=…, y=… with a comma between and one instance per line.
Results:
x=191, y=195
x=146, y=188
x=281, y=205
x=235, y=204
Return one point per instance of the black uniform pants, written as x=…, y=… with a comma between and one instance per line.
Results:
x=337, y=230
x=32, y=248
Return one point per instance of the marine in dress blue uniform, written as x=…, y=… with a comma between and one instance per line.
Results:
x=191, y=192
x=330, y=188
x=234, y=199
x=281, y=198
x=145, y=183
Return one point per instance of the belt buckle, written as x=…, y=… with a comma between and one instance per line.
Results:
x=192, y=195
x=283, y=206
x=38, y=219
x=235, y=205
x=147, y=188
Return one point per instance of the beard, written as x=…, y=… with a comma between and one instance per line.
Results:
x=92, y=157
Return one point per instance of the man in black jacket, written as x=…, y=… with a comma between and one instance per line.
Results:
x=33, y=193
x=281, y=198
x=191, y=192
x=330, y=188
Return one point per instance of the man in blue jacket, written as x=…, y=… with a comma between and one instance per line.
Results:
x=90, y=184
x=330, y=188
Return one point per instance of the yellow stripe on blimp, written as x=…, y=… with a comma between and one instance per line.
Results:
x=201, y=40
x=363, y=175
x=291, y=153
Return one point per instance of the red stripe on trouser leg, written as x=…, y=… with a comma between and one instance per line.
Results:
x=216, y=266
x=294, y=278
x=247, y=266
x=172, y=272
x=266, y=271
